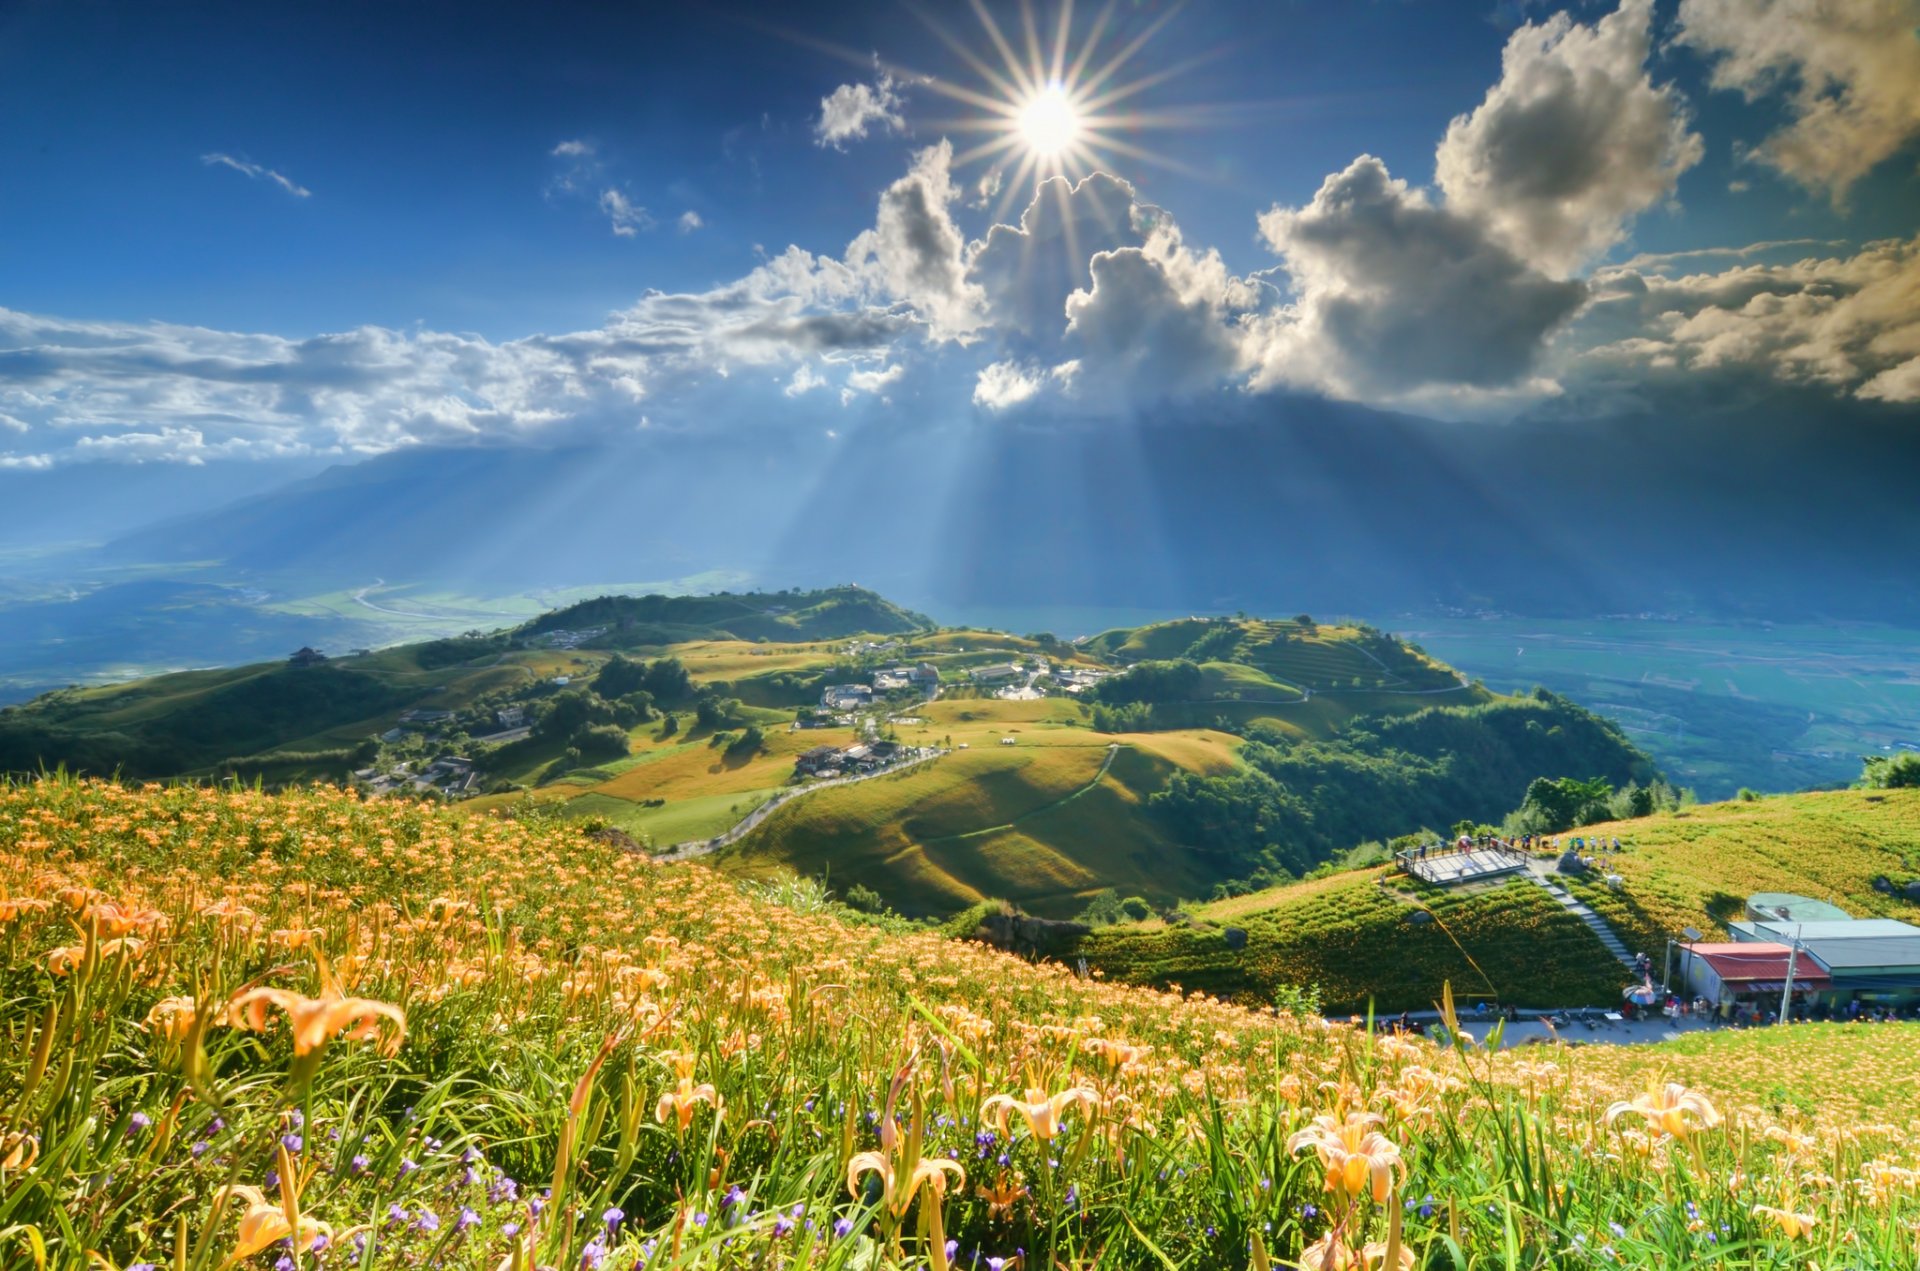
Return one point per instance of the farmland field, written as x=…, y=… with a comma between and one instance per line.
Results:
x=1718, y=706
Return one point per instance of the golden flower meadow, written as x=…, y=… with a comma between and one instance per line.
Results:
x=308, y=1031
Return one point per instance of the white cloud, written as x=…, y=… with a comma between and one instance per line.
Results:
x=626, y=217
x=1027, y=271
x=1003, y=384
x=1851, y=323
x=257, y=173
x=874, y=381
x=26, y=463
x=690, y=221
x=1393, y=295
x=851, y=110
x=805, y=380
x=1572, y=143
x=916, y=254
x=1156, y=323
x=1849, y=71
x=573, y=150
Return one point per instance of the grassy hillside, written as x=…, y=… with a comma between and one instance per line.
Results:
x=835, y=613
x=1509, y=940
x=555, y=1054
x=295, y=723
x=1355, y=937
x=1696, y=867
x=1038, y=822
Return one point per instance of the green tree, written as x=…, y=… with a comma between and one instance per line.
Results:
x=1891, y=772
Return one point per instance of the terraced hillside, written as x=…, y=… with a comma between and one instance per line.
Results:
x=290, y=723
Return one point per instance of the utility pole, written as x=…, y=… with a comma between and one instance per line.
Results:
x=1786, y=990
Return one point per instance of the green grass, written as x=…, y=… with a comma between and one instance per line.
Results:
x=1353, y=938
x=678, y=821
x=539, y=1006
x=1696, y=867
x=1017, y=823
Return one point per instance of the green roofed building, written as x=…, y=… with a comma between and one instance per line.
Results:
x=1784, y=906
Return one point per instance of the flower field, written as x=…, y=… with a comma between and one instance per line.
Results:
x=1507, y=943
x=246, y=1030
x=1696, y=867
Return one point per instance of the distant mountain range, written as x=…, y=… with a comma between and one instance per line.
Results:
x=1259, y=503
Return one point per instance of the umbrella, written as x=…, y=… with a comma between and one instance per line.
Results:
x=1641, y=994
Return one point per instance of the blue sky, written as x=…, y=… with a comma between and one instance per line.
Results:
x=218, y=185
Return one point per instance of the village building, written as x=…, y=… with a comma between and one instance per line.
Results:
x=993, y=674
x=819, y=761
x=1874, y=961
x=1749, y=975
x=841, y=697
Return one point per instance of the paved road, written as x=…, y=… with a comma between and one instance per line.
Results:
x=701, y=847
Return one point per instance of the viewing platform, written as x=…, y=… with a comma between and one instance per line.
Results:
x=1445, y=866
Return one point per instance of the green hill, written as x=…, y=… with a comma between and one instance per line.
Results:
x=1352, y=935
x=794, y=617
x=290, y=722
x=1356, y=936
x=1695, y=867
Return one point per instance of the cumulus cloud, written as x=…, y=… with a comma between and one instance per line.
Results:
x=626, y=217
x=916, y=254
x=1847, y=70
x=1393, y=294
x=139, y=391
x=1850, y=323
x=256, y=172
x=1027, y=271
x=1572, y=143
x=573, y=150
x=690, y=221
x=1157, y=323
x=853, y=110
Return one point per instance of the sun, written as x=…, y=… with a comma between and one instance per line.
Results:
x=1049, y=122
x=1055, y=102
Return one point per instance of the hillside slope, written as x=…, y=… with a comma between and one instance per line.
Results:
x=1352, y=933
x=192, y=722
x=1696, y=867
x=689, y=1070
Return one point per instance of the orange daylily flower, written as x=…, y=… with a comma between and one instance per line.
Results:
x=318, y=1020
x=263, y=1224
x=18, y=1150
x=1358, y=1158
x=1792, y=1225
x=896, y=1195
x=1002, y=1196
x=1331, y=1254
x=678, y=1102
x=1667, y=1108
x=1041, y=1111
x=172, y=1018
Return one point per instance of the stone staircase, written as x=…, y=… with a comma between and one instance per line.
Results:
x=1542, y=872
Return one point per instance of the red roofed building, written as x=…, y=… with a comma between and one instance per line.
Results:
x=1749, y=973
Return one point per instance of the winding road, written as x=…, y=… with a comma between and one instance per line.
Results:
x=702, y=847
